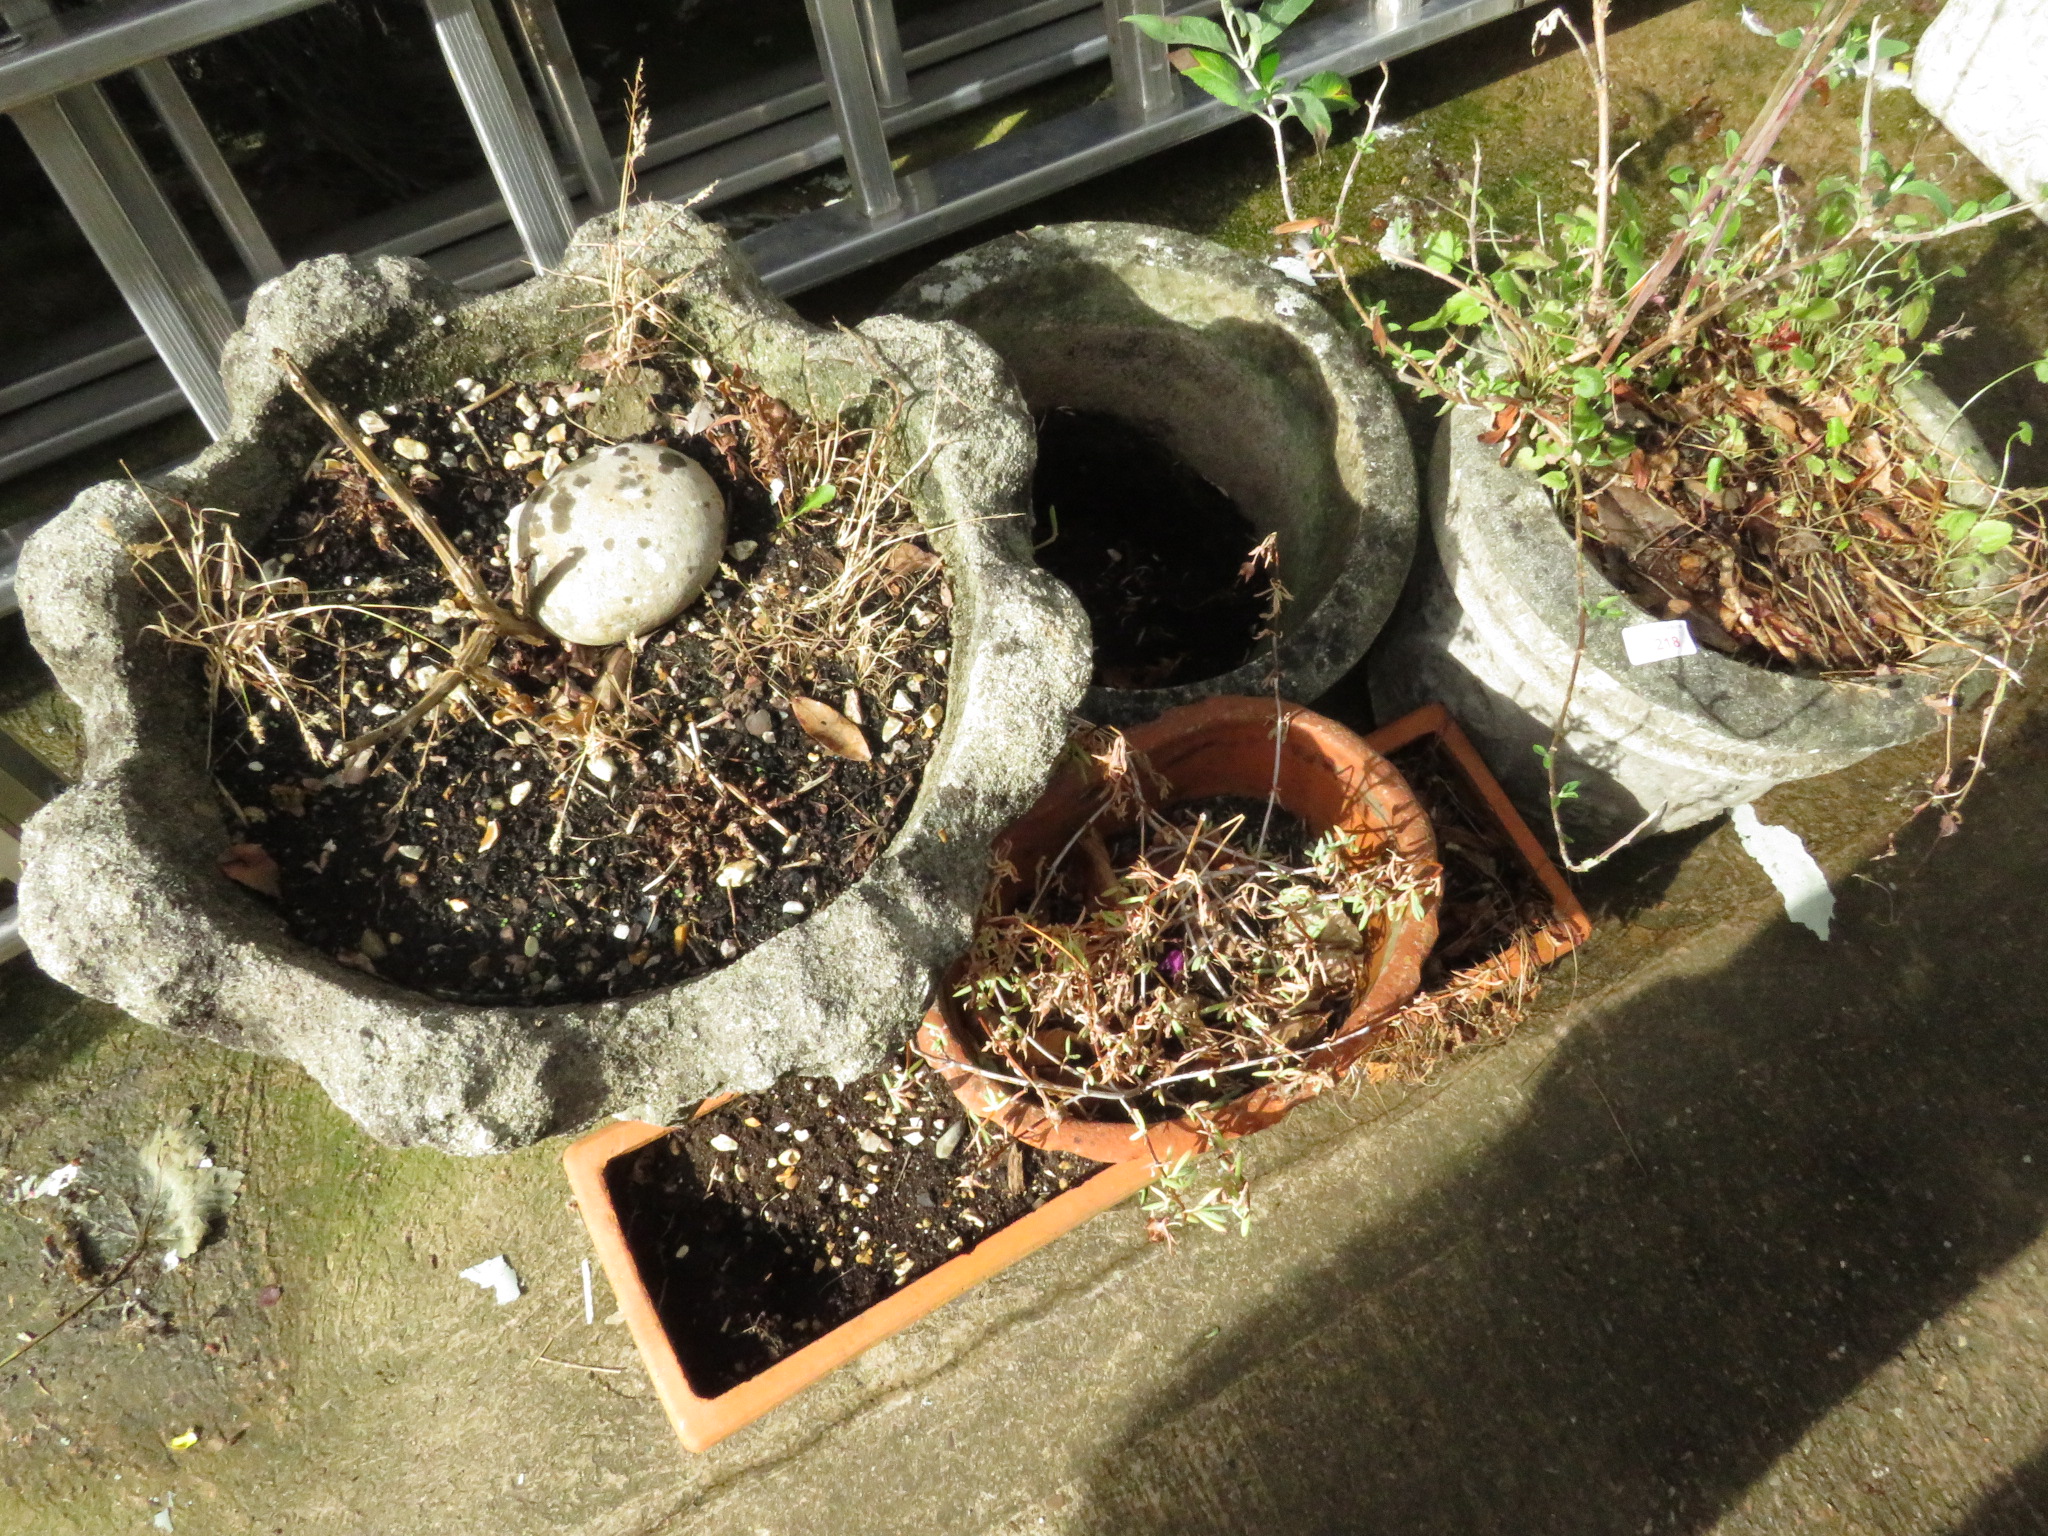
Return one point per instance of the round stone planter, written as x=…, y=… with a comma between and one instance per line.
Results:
x=1241, y=373
x=123, y=898
x=1490, y=625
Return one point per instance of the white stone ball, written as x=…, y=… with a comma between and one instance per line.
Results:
x=622, y=541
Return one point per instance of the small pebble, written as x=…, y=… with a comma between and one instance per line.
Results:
x=739, y=872
x=869, y=1141
x=724, y=1143
x=411, y=851
x=949, y=1143
x=411, y=448
x=519, y=792
x=622, y=931
x=601, y=768
x=370, y=424
x=793, y=908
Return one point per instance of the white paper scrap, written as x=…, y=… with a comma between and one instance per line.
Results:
x=495, y=1276
x=49, y=1186
x=1808, y=901
x=1660, y=641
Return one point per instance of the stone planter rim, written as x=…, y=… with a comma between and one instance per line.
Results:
x=1497, y=508
x=1316, y=646
x=130, y=851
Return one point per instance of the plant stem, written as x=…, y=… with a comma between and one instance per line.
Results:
x=1604, y=176
x=459, y=570
x=142, y=1241
x=1280, y=159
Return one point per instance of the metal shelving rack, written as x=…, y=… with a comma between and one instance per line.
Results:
x=871, y=82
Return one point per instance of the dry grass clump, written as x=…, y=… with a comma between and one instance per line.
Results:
x=1206, y=949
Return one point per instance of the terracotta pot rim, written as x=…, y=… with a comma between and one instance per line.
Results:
x=701, y=1422
x=1378, y=800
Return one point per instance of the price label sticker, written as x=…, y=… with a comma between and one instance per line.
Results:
x=1661, y=641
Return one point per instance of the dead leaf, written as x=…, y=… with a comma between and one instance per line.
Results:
x=1300, y=226
x=906, y=559
x=830, y=729
x=1762, y=407
x=253, y=866
x=1504, y=421
x=1884, y=527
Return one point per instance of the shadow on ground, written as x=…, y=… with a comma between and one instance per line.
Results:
x=1729, y=1201
x=2018, y=1507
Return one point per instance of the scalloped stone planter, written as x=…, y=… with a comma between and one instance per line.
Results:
x=1243, y=375
x=1491, y=625
x=123, y=899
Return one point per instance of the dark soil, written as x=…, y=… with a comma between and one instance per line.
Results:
x=772, y=1220
x=484, y=859
x=1489, y=896
x=1156, y=554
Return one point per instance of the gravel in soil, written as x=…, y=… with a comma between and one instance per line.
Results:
x=687, y=817
x=1157, y=555
x=776, y=1217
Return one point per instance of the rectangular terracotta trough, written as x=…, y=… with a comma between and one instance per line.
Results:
x=701, y=1422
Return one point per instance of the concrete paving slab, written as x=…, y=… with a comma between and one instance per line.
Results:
x=1739, y=1233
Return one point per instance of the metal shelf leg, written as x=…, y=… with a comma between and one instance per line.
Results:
x=203, y=158
x=842, y=49
x=103, y=180
x=1145, y=83
x=502, y=114
x=885, y=52
x=562, y=93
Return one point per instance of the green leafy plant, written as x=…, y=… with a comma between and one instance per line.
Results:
x=1211, y=1193
x=1713, y=377
x=1237, y=60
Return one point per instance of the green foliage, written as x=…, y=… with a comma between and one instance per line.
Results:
x=1237, y=61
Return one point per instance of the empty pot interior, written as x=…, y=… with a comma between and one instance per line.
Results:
x=1188, y=360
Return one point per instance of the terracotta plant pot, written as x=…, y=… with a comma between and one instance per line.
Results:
x=1569, y=926
x=1328, y=777
x=701, y=1422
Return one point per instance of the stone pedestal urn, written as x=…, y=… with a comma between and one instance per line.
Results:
x=1490, y=629
x=124, y=899
x=1242, y=374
